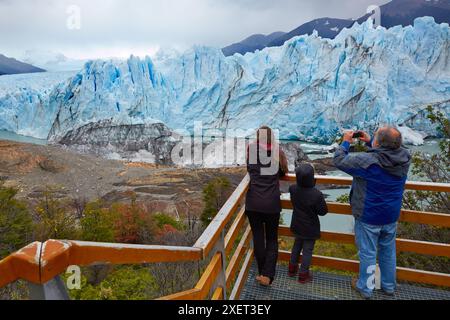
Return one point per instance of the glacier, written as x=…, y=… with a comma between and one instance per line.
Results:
x=309, y=89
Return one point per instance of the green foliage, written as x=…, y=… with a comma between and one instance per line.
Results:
x=124, y=283
x=18, y=290
x=97, y=223
x=215, y=194
x=345, y=198
x=162, y=220
x=434, y=168
x=54, y=220
x=15, y=223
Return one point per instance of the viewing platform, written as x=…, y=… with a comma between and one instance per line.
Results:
x=226, y=248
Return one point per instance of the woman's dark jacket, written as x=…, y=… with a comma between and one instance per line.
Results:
x=309, y=203
x=264, y=191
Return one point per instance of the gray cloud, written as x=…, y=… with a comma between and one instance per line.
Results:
x=111, y=27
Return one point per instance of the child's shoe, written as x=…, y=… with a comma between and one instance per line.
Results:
x=293, y=270
x=305, y=277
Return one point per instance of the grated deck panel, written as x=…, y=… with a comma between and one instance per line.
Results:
x=327, y=287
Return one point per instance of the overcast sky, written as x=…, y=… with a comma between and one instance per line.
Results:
x=120, y=28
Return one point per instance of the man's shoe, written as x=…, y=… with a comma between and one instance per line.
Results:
x=305, y=277
x=293, y=269
x=388, y=293
x=355, y=287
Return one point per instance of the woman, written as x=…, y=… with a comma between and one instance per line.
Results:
x=266, y=163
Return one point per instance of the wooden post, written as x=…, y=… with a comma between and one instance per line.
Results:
x=52, y=290
x=221, y=280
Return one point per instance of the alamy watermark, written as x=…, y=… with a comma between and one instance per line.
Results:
x=74, y=278
x=73, y=21
x=230, y=147
x=375, y=12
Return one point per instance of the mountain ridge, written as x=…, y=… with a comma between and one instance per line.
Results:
x=10, y=66
x=396, y=12
x=310, y=89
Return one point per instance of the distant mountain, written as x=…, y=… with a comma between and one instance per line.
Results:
x=326, y=27
x=13, y=66
x=52, y=61
x=404, y=12
x=252, y=43
x=394, y=13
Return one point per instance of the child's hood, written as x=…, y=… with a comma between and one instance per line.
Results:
x=305, y=176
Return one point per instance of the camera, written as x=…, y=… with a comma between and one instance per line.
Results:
x=358, y=135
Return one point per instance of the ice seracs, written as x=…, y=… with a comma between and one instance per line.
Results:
x=310, y=88
x=412, y=137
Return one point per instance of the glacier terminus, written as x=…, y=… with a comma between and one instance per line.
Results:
x=310, y=88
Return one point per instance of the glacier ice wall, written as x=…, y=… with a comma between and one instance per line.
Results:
x=310, y=88
x=24, y=102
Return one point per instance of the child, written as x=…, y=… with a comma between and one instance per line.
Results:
x=309, y=203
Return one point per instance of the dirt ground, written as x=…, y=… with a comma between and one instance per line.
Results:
x=32, y=169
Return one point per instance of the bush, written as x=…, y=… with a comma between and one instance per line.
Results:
x=215, y=194
x=434, y=168
x=162, y=220
x=97, y=223
x=54, y=220
x=16, y=225
x=124, y=283
x=132, y=224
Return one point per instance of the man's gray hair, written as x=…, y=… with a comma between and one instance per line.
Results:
x=389, y=138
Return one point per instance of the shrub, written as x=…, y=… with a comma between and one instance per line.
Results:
x=16, y=225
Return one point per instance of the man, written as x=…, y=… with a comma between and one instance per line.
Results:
x=376, y=198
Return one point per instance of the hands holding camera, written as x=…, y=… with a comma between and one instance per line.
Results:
x=349, y=136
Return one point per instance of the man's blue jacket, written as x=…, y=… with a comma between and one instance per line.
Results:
x=379, y=182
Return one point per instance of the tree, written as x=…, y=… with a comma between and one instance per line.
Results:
x=132, y=224
x=16, y=225
x=434, y=168
x=16, y=231
x=97, y=223
x=175, y=277
x=54, y=220
x=215, y=194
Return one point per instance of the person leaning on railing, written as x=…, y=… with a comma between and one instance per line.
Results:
x=376, y=197
x=308, y=203
x=266, y=163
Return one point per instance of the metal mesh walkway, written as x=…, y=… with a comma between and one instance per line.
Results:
x=327, y=287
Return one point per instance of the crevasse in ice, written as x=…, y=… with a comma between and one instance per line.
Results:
x=310, y=88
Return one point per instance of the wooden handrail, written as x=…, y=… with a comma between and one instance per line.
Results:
x=403, y=245
x=218, y=294
x=208, y=239
x=242, y=277
x=41, y=262
x=345, y=181
x=23, y=264
x=233, y=233
x=237, y=257
x=430, y=218
x=204, y=285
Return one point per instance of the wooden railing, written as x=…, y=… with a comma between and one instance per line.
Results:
x=228, y=250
